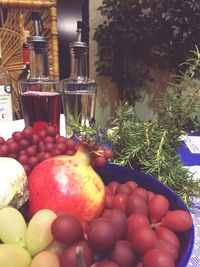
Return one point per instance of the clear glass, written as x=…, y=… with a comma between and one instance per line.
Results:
x=79, y=92
x=41, y=102
x=39, y=67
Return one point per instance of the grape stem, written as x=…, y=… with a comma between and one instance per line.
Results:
x=79, y=256
x=155, y=225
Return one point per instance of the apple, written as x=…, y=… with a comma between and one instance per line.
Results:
x=66, y=184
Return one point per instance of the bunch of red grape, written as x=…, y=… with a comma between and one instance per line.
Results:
x=30, y=148
x=136, y=228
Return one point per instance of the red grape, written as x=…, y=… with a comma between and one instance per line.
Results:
x=67, y=228
x=168, y=247
x=137, y=220
x=27, y=133
x=177, y=220
x=122, y=254
x=68, y=257
x=123, y=189
x=141, y=192
x=106, y=263
x=113, y=186
x=48, y=139
x=24, y=143
x=136, y=203
x=108, y=153
x=13, y=147
x=101, y=234
x=119, y=202
x=158, y=207
x=70, y=152
x=62, y=147
x=60, y=139
x=2, y=140
x=55, y=152
x=43, y=133
x=167, y=235
x=3, y=150
x=23, y=159
x=99, y=161
x=158, y=258
x=131, y=184
x=143, y=239
x=109, y=201
x=31, y=150
x=119, y=221
x=71, y=144
x=49, y=147
x=17, y=136
x=32, y=161
x=35, y=139
x=51, y=131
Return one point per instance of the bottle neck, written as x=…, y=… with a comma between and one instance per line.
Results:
x=39, y=67
x=78, y=68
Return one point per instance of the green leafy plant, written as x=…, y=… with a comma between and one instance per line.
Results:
x=136, y=34
x=152, y=147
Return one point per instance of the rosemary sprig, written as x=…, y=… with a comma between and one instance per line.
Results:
x=151, y=147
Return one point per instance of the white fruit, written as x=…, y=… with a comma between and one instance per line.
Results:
x=13, y=183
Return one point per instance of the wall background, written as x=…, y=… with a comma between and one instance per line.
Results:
x=107, y=91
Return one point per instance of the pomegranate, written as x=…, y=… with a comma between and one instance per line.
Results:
x=67, y=184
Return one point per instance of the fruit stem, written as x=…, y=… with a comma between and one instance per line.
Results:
x=79, y=256
x=83, y=154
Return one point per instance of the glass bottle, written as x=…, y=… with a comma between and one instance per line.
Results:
x=25, y=74
x=6, y=106
x=40, y=96
x=79, y=91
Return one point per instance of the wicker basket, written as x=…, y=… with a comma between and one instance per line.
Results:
x=15, y=18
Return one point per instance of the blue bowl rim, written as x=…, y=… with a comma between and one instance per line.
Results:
x=117, y=170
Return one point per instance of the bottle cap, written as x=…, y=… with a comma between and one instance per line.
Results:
x=37, y=39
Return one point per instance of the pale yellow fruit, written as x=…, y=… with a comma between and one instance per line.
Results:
x=12, y=226
x=45, y=259
x=12, y=255
x=38, y=234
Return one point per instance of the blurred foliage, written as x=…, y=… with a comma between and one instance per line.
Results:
x=136, y=31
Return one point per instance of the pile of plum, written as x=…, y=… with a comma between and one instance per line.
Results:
x=136, y=228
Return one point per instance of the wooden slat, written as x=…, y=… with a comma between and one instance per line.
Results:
x=27, y=3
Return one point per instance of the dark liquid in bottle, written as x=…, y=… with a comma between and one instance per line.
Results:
x=41, y=109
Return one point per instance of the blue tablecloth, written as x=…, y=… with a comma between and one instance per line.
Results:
x=192, y=161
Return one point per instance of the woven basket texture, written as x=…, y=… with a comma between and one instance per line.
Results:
x=14, y=20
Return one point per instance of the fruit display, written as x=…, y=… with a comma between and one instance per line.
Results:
x=13, y=183
x=83, y=216
x=66, y=184
x=117, y=237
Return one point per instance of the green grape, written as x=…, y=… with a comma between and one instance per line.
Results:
x=38, y=234
x=12, y=255
x=12, y=226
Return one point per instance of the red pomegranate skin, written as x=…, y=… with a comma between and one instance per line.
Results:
x=66, y=184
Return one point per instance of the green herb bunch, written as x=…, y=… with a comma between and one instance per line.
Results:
x=152, y=147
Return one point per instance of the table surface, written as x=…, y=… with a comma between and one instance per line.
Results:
x=189, y=160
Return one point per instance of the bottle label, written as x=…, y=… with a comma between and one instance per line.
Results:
x=6, y=112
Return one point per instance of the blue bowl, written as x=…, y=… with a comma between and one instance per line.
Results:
x=122, y=174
